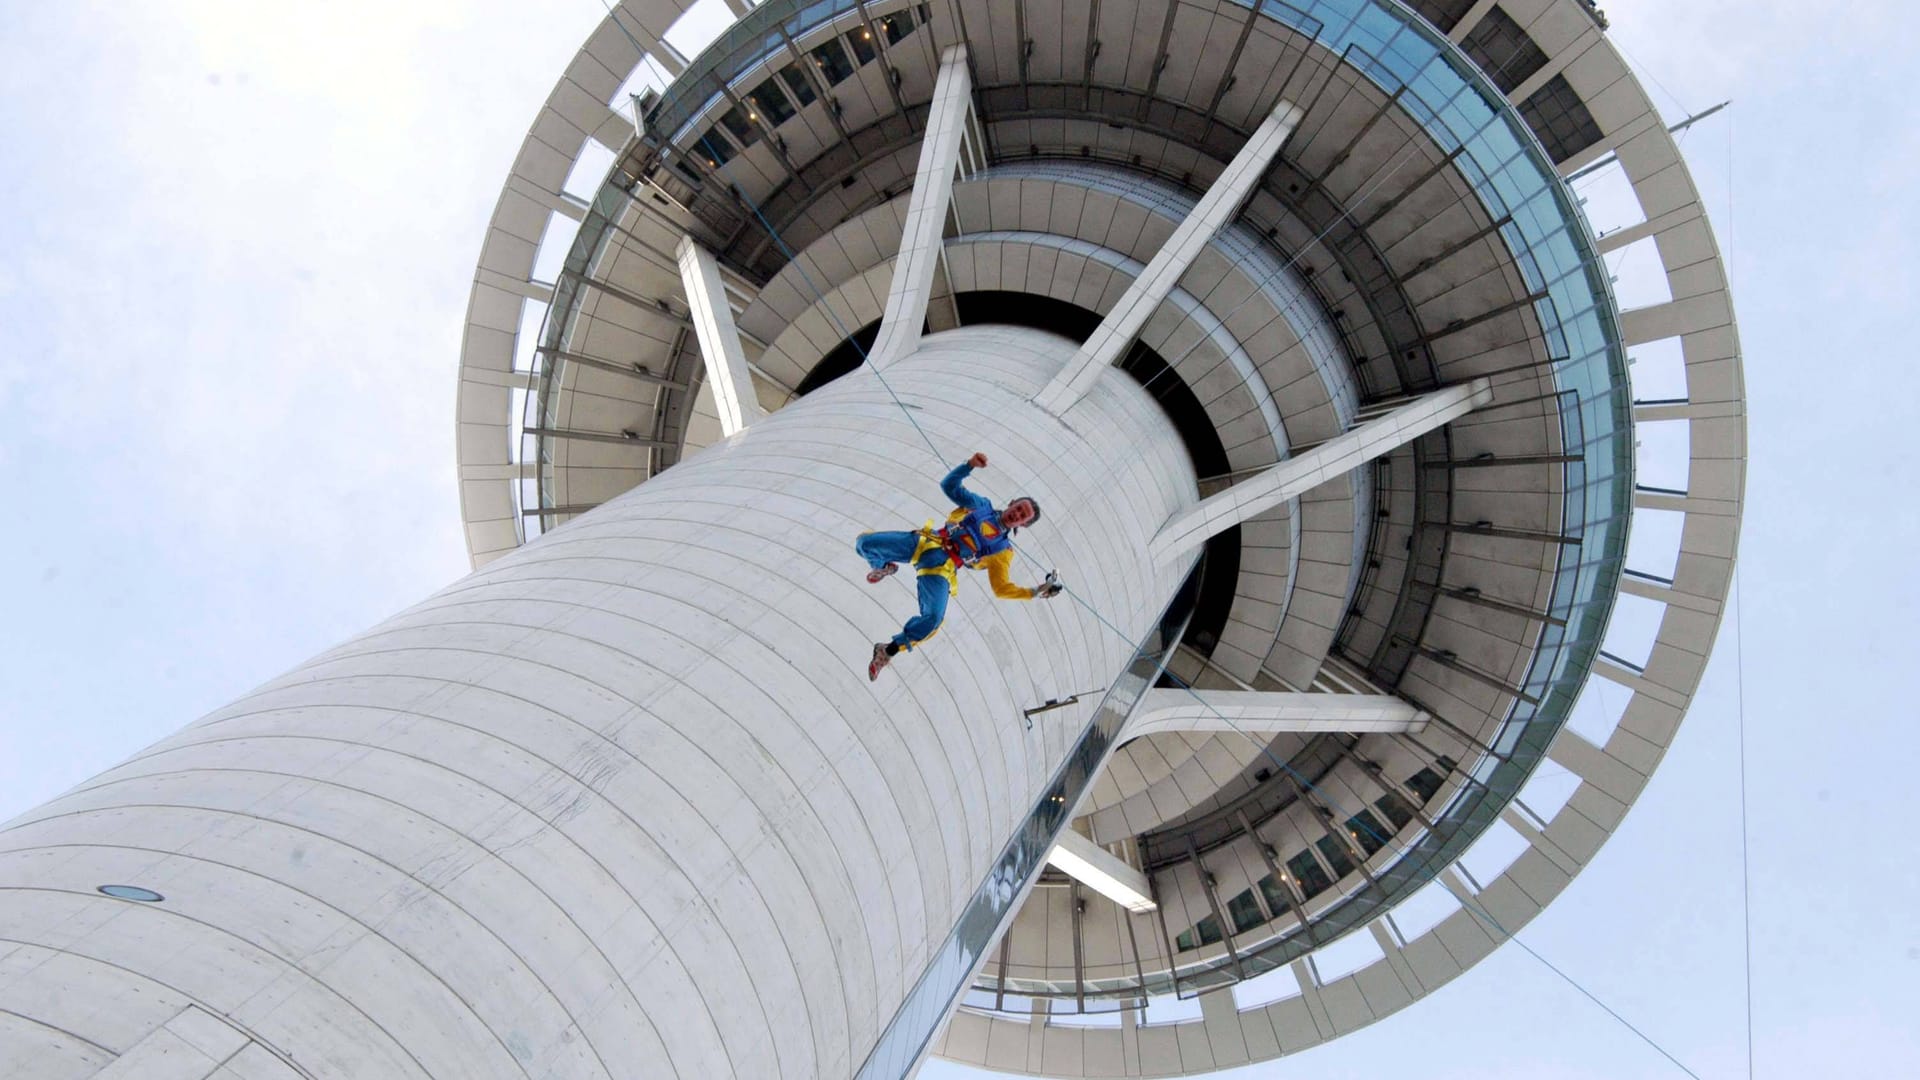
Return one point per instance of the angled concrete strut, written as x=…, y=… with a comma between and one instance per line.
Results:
x=1093, y=866
x=1214, y=210
x=726, y=362
x=1297, y=475
x=1263, y=713
x=920, y=238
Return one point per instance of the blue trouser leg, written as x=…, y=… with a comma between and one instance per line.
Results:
x=933, y=611
x=881, y=548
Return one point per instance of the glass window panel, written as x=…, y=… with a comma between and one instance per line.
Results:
x=1276, y=895
x=1336, y=855
x=714, y=148
x=1209, y=929
x=1426, y=784
x=1375, y=27
x=896, y=26
x=861, y=42
x=1307, y=873
x=736, y=122
x=1245, y=912
x=801, y=86
x=1396, y=809
x=1368, y=832
x=831, y=61
x=1204, y=932
x=771, y=103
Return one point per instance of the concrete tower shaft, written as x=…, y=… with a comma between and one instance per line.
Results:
x=623, y=803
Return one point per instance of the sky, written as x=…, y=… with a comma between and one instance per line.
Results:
x=234, y=261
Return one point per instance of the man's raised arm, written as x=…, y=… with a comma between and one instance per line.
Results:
x=956, y=490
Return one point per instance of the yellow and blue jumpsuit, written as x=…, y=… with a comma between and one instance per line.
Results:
x=972, y=537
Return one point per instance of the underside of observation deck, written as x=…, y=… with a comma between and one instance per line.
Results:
x=1412, y=233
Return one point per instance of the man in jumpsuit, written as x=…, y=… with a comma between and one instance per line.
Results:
x=975, y=536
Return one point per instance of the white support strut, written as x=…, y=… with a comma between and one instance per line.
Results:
x=1217, y=207
x=1300, y=474
x=1093, y=866
x=921, y=245
x=727, y=370
x=1264, y=713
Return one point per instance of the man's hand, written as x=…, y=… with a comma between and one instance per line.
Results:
x=1048, y=590
x=978, y=460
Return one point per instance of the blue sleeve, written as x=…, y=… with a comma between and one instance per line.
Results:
x=964, y=499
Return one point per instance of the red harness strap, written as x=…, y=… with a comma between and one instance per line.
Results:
x=952, y=544
x=952, y=548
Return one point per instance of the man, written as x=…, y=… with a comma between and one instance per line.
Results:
x=976, y=536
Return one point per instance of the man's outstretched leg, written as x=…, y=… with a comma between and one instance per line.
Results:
x=885, y=551
x=934, y=590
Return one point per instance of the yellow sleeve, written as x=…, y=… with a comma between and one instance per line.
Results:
x=1003, y=586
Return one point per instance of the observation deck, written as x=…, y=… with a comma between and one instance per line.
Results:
x=1501, y=580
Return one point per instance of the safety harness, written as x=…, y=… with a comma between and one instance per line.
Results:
x=973, y=536
x=965, y=539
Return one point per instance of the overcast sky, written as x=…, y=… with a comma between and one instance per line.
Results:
x=234, y=258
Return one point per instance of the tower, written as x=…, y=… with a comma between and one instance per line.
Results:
x=621, y=802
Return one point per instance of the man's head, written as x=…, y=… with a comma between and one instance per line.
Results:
x=1020, y=513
